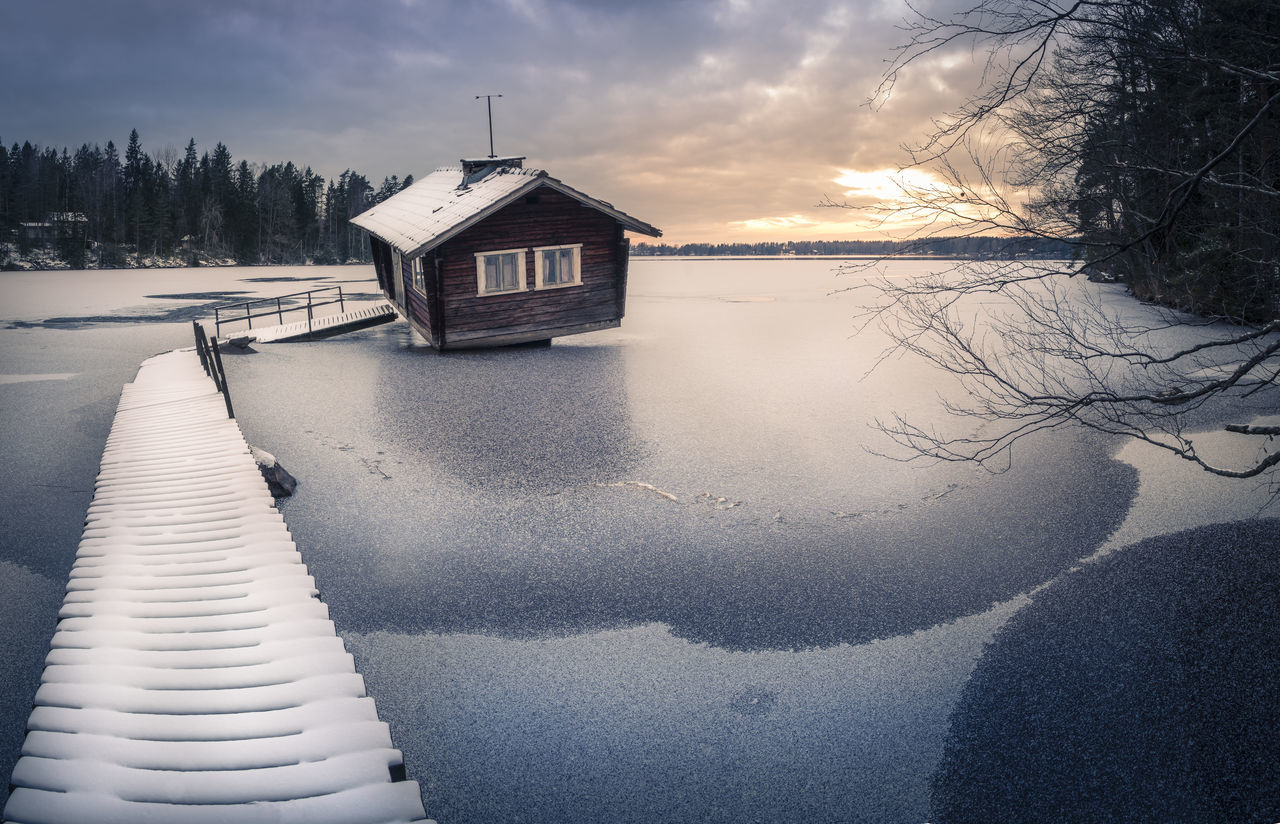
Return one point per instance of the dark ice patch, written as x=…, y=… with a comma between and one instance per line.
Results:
x=225, y=295
x=286, y=279
x=180, y=314
x=175, y=315
x=1142, y=688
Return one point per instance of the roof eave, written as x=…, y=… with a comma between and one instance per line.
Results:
x=617, y=214
x=356, y=221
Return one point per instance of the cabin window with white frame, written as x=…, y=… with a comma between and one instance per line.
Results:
x=419, y=276
x=558, y=266
x=500, y=272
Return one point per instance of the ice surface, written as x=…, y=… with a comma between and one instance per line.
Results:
x=1168, y=482
x=625, y=724
x=61, y=376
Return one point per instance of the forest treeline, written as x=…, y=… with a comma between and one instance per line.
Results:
x=1145, y=132
x=978, y=247
x=1171, y=167
x=97, y=208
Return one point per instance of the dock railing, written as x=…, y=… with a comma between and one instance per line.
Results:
x=211, y=360
x=263, y=307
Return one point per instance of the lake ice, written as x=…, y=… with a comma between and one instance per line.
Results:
x=780, y=637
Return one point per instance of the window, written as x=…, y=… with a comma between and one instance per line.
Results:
x=419, y=277
x=558, y=266
x=499, y=272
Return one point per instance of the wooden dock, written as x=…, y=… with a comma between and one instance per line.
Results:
x=194, y=675
x=325, y=326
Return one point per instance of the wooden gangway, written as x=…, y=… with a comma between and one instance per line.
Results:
x=194, y=675
x=308, y=313
x=357, y=317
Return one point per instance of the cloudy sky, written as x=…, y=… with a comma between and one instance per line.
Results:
x=716, y=120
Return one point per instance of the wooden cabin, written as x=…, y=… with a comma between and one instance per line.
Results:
x=489, y=253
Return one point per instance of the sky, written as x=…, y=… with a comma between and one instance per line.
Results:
x=715, y=120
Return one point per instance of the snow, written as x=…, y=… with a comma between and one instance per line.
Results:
x=49, y=259
x=364, y=803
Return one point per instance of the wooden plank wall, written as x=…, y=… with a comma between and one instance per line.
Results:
x=549, y=218
x=622, y=257
x=381, y=264
x=420, y=302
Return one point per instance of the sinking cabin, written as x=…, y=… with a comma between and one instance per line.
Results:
x=489, y=253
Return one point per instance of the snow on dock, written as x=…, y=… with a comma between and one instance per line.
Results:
x=322, y=327
x=194, y=675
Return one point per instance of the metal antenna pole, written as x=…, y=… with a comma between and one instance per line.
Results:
x=488, y=101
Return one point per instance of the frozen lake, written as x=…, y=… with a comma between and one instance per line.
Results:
x=656, y=573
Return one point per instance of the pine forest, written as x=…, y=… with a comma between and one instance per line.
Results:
x=94, y=208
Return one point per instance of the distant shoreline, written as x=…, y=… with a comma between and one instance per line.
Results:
x=54, y=264
x=823, y=257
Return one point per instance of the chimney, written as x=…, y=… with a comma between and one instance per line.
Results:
x=479, y=165
x=474, y=171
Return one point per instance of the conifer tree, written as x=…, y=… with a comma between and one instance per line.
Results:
x=150, y=205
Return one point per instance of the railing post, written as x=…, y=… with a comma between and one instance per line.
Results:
x=217, y=322
x=214, y=368
x=308, y=314
x=248, y=314
x=199, y=332
x=342, y=307
x=279, y=312
x=226, y=392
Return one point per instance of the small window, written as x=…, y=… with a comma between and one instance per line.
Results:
x=500, y=272
x=419, y=277
x=558, y=266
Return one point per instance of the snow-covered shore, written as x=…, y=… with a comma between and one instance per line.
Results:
x=40, y=259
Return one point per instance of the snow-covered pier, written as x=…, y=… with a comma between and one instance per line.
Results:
x=194, y=675
x=321, y=327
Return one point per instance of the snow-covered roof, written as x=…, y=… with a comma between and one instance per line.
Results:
x=453, y=198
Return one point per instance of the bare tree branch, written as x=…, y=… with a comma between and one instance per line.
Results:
x=1140, y=134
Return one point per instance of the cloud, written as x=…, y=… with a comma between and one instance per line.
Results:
x=788, y=222
x=699, y=117
x=892, y=186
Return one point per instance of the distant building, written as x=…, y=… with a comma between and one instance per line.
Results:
x=488, y=253
x=36, y=233
x=56, y=226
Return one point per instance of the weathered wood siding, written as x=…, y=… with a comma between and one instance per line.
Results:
x=382, y=255
x=419, y=303
x=389, y=264
x=547, y=218
x=404, y=274
x=623, y=245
